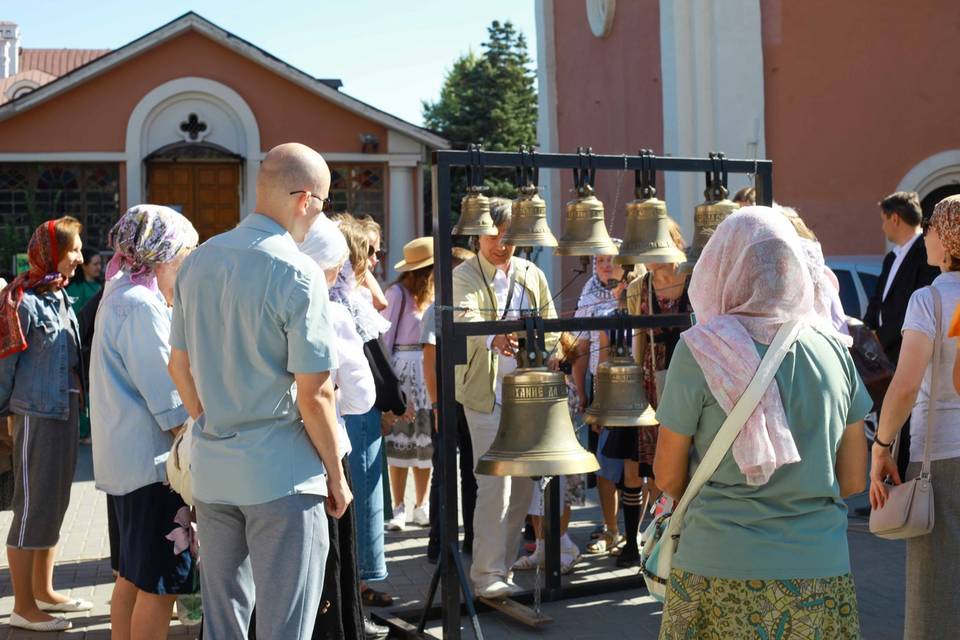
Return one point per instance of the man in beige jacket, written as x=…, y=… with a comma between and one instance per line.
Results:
x=495, y=285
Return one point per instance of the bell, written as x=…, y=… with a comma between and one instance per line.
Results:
x=646, y=238
x=536, y=436
x=529, y=226
x=619, y=400
x=475, y=217
x=585, y=233
x=706, y=218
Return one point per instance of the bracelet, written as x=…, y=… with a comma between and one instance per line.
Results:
x=883, y=444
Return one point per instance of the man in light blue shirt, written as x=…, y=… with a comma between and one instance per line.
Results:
x=252, y=351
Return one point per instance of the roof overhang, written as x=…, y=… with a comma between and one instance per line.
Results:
x=192, y=21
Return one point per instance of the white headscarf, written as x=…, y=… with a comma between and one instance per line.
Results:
x=325, y=243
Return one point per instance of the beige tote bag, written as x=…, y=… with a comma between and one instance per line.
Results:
x=908, y=511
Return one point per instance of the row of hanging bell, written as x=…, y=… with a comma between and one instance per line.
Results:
x=535, y=437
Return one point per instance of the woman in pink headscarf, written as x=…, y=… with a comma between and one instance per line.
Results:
x=764, y=543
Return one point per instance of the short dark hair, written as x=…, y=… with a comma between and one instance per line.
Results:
x=905, y=204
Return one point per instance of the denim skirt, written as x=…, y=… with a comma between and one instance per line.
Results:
x=366, y=469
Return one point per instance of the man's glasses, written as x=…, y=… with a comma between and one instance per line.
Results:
x=381, y=254
x=326, y=204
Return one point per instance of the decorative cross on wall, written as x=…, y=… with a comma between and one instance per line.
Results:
x=193, y=127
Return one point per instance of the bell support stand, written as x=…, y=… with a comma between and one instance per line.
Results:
x=451, y=348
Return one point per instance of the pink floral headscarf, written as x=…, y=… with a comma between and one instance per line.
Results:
x=751, y=278
x=145, y=236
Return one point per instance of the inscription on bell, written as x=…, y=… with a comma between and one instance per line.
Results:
x=539, y=391
x=625, y=377
x=711, y=218
x=583, y=214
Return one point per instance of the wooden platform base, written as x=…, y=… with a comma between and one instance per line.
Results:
x=517, y=611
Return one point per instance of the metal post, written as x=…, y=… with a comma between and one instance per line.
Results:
x=551, y=535
x=447, y=348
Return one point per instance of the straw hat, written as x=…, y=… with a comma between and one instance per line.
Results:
x=417, y=253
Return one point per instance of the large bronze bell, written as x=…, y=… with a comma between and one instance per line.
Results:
x=585, y=232
x=536, y=436
x=619, y=400
x=475, y=217
x=647, y=238
x=529, y=221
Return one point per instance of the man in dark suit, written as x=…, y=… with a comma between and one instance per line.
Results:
x=905, y=270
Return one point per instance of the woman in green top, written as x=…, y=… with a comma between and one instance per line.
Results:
x=82, y=288
x=763, y=547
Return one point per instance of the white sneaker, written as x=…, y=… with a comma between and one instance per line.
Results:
x=421, y=515
x=399, y=520
x=495, y=589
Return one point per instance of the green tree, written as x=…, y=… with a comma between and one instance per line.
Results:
x=489, y=99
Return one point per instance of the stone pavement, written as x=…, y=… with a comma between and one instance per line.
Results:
x=83, y=570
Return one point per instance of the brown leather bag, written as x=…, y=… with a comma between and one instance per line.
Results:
x=873, y=365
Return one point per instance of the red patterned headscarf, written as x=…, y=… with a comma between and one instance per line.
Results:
x=42, y=253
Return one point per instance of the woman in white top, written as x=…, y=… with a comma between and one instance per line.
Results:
x=340, y=614
x=932, y=598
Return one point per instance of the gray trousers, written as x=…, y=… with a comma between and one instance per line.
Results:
x=278, y=549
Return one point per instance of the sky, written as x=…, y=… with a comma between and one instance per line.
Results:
x=388, y=53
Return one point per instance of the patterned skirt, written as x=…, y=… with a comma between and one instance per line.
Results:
x=409, y=444
x=718, y=608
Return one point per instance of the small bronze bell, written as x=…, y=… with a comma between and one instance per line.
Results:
x=706, y=218
x=585, y=232
x=536, y=436
x=647, y=236
x=529, y=226
x=709, y=214
x=475, y=217
x=619, y=400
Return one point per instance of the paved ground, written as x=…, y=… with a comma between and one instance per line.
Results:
x=83, y=570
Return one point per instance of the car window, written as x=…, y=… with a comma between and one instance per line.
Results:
x=869, y=282
x=848, y=293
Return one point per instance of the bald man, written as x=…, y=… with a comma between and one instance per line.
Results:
x=250, y=322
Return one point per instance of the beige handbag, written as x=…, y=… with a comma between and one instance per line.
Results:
x=178, y=464
x=908, y=511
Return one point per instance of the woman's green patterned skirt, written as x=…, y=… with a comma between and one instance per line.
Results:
x=721, y=609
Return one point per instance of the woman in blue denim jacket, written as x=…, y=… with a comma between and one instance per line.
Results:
x=41, y=385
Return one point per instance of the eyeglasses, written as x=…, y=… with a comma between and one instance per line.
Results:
x=326, y=204
x=381, y=254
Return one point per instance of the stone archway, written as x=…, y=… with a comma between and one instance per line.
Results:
x=192, y=111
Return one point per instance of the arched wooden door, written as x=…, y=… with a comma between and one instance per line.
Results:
x=208, y=193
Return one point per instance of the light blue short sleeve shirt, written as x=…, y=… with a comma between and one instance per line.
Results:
x=251, y=311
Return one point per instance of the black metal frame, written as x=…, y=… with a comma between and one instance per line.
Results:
x=451, y=344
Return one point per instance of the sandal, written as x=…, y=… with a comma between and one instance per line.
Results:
x=376, y=598
x=607, y=543
x=526, y=563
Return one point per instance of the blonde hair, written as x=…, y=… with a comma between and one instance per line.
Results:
x=358, y=244
x=676, y=234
